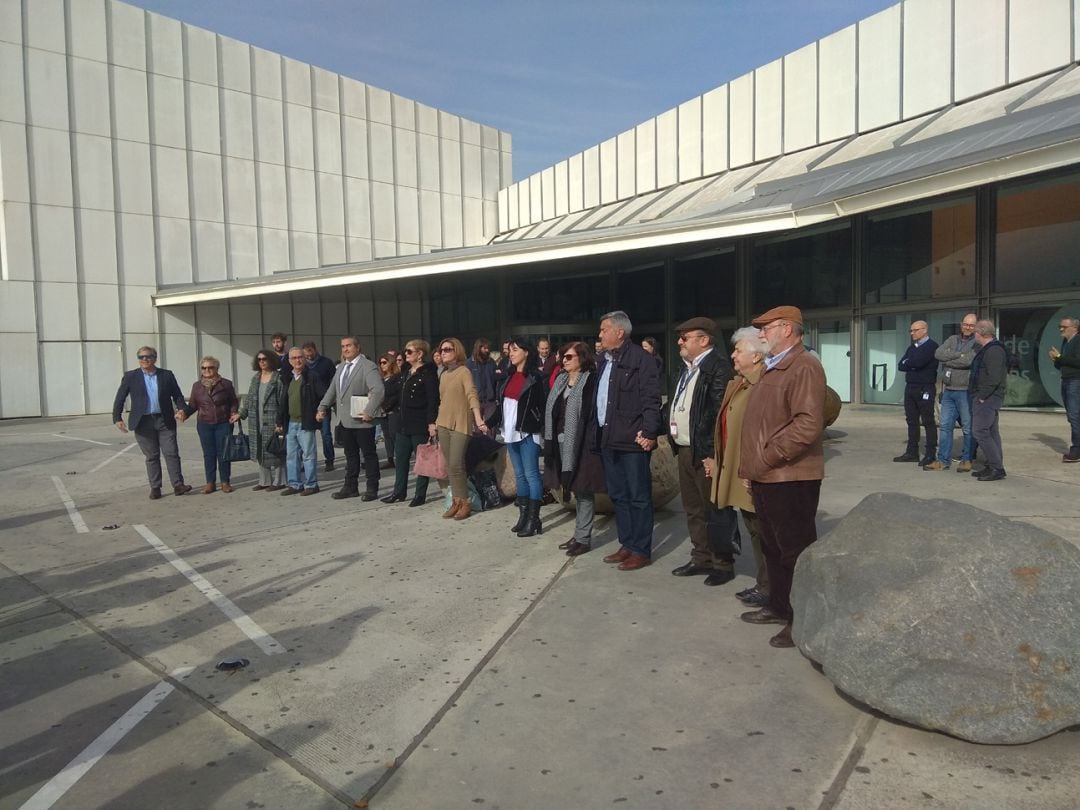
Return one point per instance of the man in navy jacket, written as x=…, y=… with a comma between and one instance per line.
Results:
x=628, y=413
x=156, y=403
x=920, y=366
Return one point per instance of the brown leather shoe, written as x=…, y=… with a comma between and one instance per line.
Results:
x=576, y=549
x=763, y=615
x=155, y=493
x=209, y=488
x=634, y=562
x=567, y=544
x=465, y=510
x=619, y=556
x=455, y=505
x=180, y=489
x=226, y=487
x=783, y=638
x=257, y=487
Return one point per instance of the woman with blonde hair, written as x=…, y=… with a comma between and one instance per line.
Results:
x=390, y=370
x=727, y=489
x=418, y=408
x=459, y=415
x=215, y=400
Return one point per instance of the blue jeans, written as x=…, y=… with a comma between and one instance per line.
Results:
x=629, y=485
x=211, y=437
x=300, y=447
x=955, y=403
x=1070, y=396
x=327, y=438
x=525, y=456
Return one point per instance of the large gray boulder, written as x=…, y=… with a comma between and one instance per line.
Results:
x=945, y=616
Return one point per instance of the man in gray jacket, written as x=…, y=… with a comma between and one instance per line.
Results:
x=956, y=355
x=989, y=374
x=356, y=376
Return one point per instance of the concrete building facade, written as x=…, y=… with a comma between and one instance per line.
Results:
x=139, y=153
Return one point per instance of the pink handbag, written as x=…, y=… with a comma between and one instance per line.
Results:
x=430, y=461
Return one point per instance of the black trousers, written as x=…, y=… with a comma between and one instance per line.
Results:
x=919, y=407
x=354, y=442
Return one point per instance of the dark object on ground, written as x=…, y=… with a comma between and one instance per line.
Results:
x=945, y=616
x=231, y=664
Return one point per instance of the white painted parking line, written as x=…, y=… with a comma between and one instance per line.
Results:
x=51, y=791
x=247, y=625
x=113, y=457
x=79, y=439
x=73, y=513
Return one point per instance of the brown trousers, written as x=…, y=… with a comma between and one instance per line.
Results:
x=713, y=532
x=786, y=511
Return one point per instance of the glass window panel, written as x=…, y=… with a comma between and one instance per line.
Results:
x=832, y=341
x=559, y=299
x=705, y=285
x=925, y=252
x=887, y=338
x=1028, y=333
x=808, y=271
x=1038, y=236
x=641, y=295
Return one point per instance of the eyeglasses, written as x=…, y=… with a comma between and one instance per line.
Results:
x=566, y=357
x=382, y=362
x=687, y=337
x=263, y=359
x=445, y=349
x=773, y=326
x=208, y=368
x=147, y=356
x=1064, y=326
x=410, y=351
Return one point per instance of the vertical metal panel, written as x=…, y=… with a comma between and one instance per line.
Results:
x=562, y=188
x=837, y=99
x=235, y=59
x=645, y=156
x=741, y=121
x=576, y=188
x=800, y=98
x=609, y=171
x=928, y=38
x=768, y=110
x=690, y=150
x=667, y=148
x=591, y=176
x=714, y=130
x=1040, y=37
x=879, y=69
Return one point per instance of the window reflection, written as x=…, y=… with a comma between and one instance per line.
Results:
x=1038, y=235
x=807, y=271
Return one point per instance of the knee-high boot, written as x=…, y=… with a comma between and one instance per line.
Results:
x=522, y=505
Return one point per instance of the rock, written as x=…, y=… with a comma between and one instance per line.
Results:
x=945, y=616
x=665, y=478
x=832, y=406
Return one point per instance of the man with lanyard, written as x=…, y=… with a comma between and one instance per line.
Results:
x=156, y=403
x=628, y=413
x=714, y=533
x=956, y=355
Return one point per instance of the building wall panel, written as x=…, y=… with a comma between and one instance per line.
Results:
x=836, y=85
x=207, y=194
x=591, y=178
x=239, y=136
x=297, y=82
x=171, y=172
x=879, y=69
x=14, y=163
x=96, y=234
x=331, y=204
x=768, y=110
x=430, y=218
x=714, y=130
x=980, y=46
x=46, y=88
x=562, y=188
x=355, y=134
x=99, y=308
x=59, y=297
x=235, y=65
x=17, y=245
x=12, y=96
x=266, y=73
x=1040, y=37
x=131, y=115
x=272, y=196
x=299, y=137
x=927, y=56
x=326, y=90
x=358, y=207
x=174, y=251
x=204, y=120
x=471, y=168
x=88, y=35
x=547, y=193
x=381, y=153
x=302, y=214
x=136, y=310
x=210, y=254
x=89, y=97
x=55, y=238
x=240, y=200
x=243, y=242
x=575, y=187
x=380, y=106
x=270, y=130
x=168, y=115
x=103, y=369
x=44, y=20
x=11, y=21
x=800, y=98
x=328, y=141
x=18, y=309
x=16, y=397
x=741, y=121
x=137, y=249
x=201, y=61
x=64, y=393
x=166, y=46
x=667, y=148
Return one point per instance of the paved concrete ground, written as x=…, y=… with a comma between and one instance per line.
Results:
x=423, y=663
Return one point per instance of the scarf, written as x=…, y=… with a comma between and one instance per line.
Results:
x=208, y=384
x=571, y=415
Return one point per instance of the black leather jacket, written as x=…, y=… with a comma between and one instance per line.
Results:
x=714, y=373
x=531, y=404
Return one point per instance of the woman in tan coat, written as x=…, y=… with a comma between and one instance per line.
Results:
x=727, y=489
x=459, y=415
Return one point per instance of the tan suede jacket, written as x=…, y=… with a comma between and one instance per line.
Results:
x=785, y=421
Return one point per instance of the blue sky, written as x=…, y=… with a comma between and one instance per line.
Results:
x=560, y=76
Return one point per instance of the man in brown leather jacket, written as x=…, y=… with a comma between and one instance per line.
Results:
x=782, y=458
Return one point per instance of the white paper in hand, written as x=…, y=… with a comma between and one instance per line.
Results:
x=357, y=406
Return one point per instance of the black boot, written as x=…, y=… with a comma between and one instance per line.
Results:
x=532, y=520
x=521, y=504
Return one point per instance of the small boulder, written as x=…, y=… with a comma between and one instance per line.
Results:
x=945, y=616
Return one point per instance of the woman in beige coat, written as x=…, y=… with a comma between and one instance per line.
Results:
x=727, y=489
x=459, y=415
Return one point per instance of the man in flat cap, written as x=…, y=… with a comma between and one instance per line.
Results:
x=714, y=533
x=782, y=458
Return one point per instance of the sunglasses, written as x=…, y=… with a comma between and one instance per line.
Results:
x=208, y=368
x=147, y=356
x=445, y=349
x=382, y=362
x=566, y=357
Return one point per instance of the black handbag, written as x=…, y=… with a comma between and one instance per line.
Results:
x=276, y=445
x=236, y=446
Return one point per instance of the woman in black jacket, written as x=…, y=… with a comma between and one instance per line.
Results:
x=417, y=408
x=570, y=461
x=519, y=408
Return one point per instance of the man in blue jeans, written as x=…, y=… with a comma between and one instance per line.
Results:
x=1067, y=359
x=956, y=355
x=628, y=413
x=303, y=392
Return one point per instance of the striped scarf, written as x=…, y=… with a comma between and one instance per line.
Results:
x=571, y=416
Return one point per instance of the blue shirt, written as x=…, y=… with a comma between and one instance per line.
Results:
x=772, y=360
x=602, y=390
x=154, y=405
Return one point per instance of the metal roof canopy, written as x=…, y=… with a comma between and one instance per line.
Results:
x=1018, y=144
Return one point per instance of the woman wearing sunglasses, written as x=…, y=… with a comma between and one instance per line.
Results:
x=418, y=408
x=459, y=415
x=570, y=463
x=214, y=398
x=390, y=419
x=264, y=401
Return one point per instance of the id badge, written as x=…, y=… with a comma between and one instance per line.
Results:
x=673, y=430
x=926, y=395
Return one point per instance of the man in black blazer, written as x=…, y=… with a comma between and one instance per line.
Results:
x=156, y=403
x=714, y=533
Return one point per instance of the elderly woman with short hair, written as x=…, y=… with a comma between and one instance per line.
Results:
x=214, y=398
x=727, y=489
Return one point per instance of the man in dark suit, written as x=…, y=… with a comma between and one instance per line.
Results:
x=714, y=533
x=156, y=403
